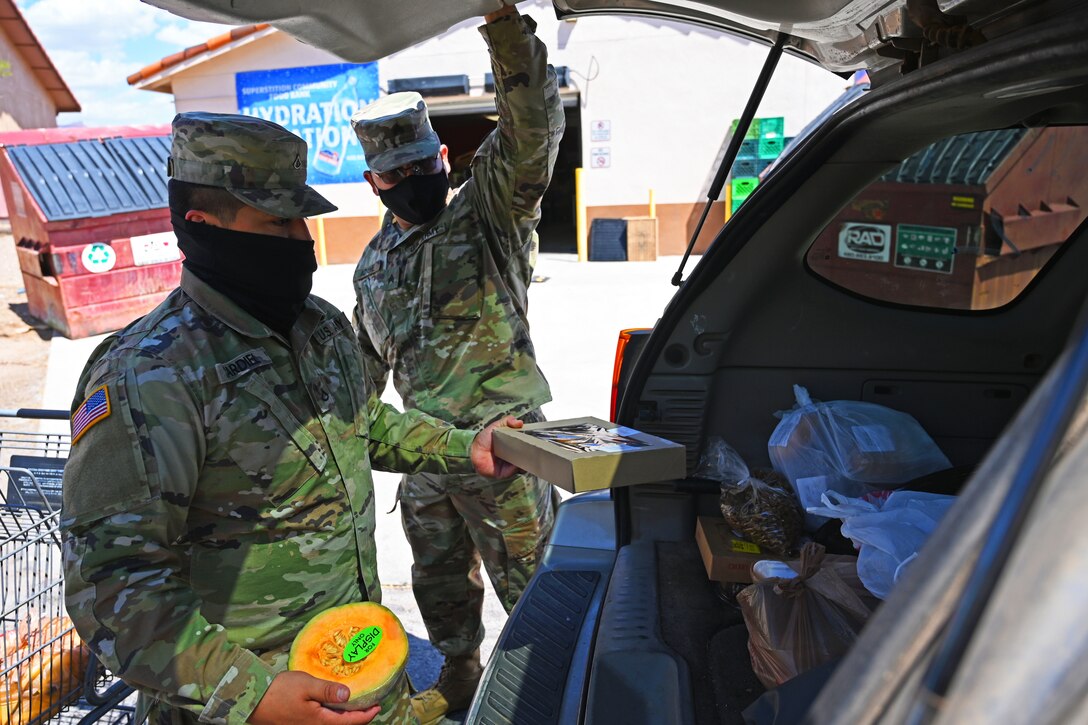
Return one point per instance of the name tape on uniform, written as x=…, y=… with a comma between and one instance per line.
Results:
x=245, y=363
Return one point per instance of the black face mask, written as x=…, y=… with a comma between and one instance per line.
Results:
x=417, y=199
x=269, y=277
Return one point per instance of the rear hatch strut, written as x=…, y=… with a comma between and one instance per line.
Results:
x=621, y=496
x=733, y=148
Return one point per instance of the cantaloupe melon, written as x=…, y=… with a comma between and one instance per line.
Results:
x=363, y=646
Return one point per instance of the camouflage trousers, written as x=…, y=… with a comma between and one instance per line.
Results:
x=453, y=522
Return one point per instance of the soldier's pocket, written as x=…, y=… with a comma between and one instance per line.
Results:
x=274, y=448
x=452, y=282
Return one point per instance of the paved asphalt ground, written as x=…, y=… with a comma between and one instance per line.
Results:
x=575, y=311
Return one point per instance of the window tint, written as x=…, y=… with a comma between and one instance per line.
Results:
x=963, y=224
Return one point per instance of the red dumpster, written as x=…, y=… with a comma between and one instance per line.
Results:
x=89, y=217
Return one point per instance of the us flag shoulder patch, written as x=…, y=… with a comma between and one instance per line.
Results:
x=94, y=409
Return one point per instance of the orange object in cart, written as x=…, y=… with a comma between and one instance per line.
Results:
x=89, y=216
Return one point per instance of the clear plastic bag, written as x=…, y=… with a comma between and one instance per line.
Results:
x=800, y=623
x=850, y=447
x=888, y=534
x=755, y=504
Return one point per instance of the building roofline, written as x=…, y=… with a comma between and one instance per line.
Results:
x=18, y=32
x=154, y=76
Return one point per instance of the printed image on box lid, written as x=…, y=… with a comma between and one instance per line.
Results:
x=590, y=438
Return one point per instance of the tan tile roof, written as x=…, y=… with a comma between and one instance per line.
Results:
x=191, y=52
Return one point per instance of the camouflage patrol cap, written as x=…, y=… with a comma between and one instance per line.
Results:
x=259, y=162
x=394, y=131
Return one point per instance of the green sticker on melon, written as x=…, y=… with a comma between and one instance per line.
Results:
x=362, y=644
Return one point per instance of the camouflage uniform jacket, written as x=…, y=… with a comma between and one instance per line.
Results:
x=444, y=305
x=227, y=497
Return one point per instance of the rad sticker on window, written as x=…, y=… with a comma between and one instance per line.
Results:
x=870, y=242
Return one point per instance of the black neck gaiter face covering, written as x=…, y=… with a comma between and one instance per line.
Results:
x=267, y=276
x=417, y=199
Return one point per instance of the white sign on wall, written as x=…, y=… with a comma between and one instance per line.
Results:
x=601, y=157
x=155, y=249
x=600, y=130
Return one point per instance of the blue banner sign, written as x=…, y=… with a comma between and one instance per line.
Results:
x=316, y=103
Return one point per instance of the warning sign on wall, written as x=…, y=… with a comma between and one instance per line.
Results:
x=600, y=130
x=601, y=157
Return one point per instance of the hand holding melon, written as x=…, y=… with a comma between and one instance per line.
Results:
x=295, y=697
x=345, y=659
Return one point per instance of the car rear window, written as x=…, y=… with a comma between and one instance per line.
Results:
x=964, y=224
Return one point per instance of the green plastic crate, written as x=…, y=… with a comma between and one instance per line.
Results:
x=749, y=149
x=749, y=167
x=741, y=186
x=753, y=130
x=772, y=127
x=771, y=148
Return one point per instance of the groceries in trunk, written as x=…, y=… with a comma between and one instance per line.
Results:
x=841, y=472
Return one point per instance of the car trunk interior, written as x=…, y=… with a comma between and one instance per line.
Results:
x=754, y=319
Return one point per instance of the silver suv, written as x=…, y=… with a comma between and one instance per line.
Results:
x=924, y=248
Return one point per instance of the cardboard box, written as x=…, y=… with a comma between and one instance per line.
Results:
x=588, y=454
x=727, y=557
x=641, y=239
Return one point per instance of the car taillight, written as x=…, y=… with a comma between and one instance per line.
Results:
x=617, y=368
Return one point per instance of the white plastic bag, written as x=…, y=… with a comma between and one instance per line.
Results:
x=849, y=447
x=889, y=534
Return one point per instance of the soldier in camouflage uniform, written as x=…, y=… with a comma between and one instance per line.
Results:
x=219, y=493
x=442, y=296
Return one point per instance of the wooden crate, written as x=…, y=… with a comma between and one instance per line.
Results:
x=641, y=239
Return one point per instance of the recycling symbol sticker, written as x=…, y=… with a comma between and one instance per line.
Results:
x=98, y=257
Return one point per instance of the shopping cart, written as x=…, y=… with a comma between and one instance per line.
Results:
x=46, y=673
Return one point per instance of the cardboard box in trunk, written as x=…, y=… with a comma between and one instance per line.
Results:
x=726, y=556
x=588, y=454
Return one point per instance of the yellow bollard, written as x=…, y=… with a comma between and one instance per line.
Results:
x=580, y=217
x=653, y=206
x=322, y=255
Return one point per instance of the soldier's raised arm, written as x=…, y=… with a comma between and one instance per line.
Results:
x=514, y=164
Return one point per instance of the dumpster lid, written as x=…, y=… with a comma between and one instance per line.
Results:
x=968, y=158
x=94, y=178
